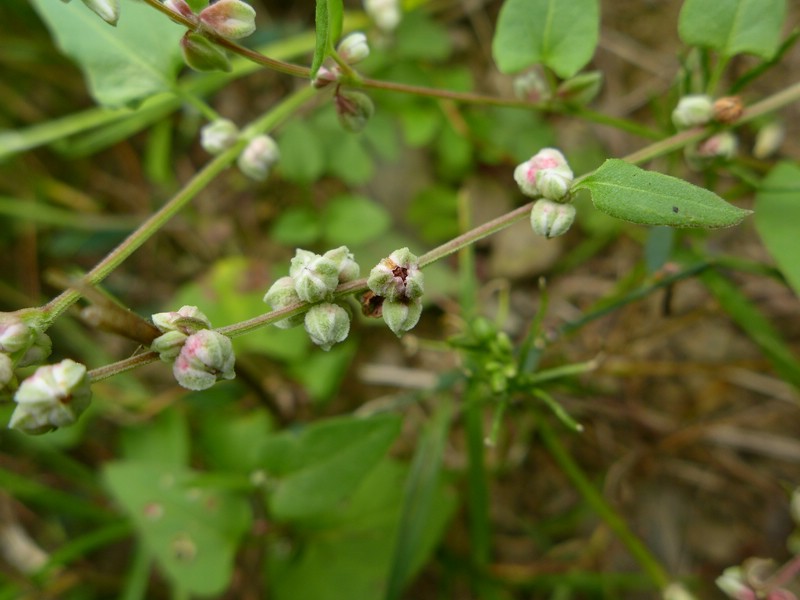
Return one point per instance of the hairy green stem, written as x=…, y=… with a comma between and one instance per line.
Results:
x=145, y=231
x=657, y=574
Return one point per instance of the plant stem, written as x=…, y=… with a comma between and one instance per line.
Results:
x=195, y=185
x=658, y=575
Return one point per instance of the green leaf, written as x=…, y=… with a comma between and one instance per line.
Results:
x=296, y=226
x=138, y=58
x=335, y=21
x=353, y=220
x=319, y=466
x=733, y=26
x=561, y=35
x=627, y=192
x=163, y=440
x=230, y=440
x=777, y=218
x=322, y=32
x=192, y=532
x=302, y=152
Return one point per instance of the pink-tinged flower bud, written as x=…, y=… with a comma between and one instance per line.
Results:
x=528, y=174
x=315, y=277
x=582, y=88
x=397, y=277
x=108, y=10
x=203, y=55
x=15, y=334
x=257, y=158
x=719, y=147
x=38, y=351
x=385, y=13
x=182, y=8
x=353, y=48
x=169, y=345
x=231, y=19
x=768, y=140
x=54, y=396
x=551, y=219
x=345, y=262
x=693, y=111
x=325, y=77
x=187, y=320
x=206, y=357
x=732, y=584
x=283, y=294
x=354, y=110
x=218, y=136
x=402, y=315
x=6, y=370
x=532, y=86
x=327, y=324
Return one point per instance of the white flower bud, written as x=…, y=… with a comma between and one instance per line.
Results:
x=732, y=583
x=218, y=136
x=327, y=324
x=15, y=334
x=232, y=19
x=187, y=320
x=551, y=219
x=693, y=111
x=345, y=261
x=385, y=13
x=257, y=158
x=38, y=351
x=531, y=86
x=353, y=48
x=528, y=174
x=283, y=294
x=54, y=396
x=768, y=140
x=397, y=277
x=402, y=315
x=108, y=10
x=206, y=357
x=553, y=184
x=315, y=277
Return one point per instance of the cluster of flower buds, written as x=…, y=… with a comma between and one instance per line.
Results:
x=532, y=86
x=22, y=343
x=386, y=14
x=258, y=157
x=231, y=19
x=398, y=280
x=54, y=396
x=756, y=578
x=547, y=176
x=313, y=278
x=199, y=355
x=108, y=10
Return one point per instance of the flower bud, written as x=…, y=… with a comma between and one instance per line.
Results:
x=203, y=55
x=531, y=86
x=15, y=334
x=344, y=260
x=551, y=219
x=353, y=48
x=325, y=77
x=732, y=584
x=728, y=109
x=232, y=19
x=218, y=136
x=54, y=396
x=397, y=277
x=354, y=110
x=6, y=370
x=385, y=13
x=108, y=10
x=283, y=294
x=693, y=111
x=327, y=324
x=719, y=147
x=257, y=158
x=315, y=277
x=187, y=320
x=676, y=591
x=38, y=352
x=168, y=345
x=206, y=357
x=553, y=184
x=182, y=8
x=528, y=174
x=768, y=140
x=402, y=315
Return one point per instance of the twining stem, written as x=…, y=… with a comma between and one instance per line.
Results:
x=198, y=183
x=657, y=574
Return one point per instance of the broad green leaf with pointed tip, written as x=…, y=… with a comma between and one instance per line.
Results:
x=559, y=34
x=123, y=64
x=193, y=532
x=733, y=26
x=319, y=466
x=627, y=192
x=777, y=219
